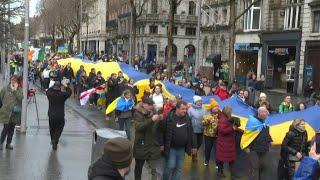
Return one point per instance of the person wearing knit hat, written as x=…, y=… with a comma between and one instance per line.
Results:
x=196, y=98
x=196, y=113
x=115, y=162
x=262, y=101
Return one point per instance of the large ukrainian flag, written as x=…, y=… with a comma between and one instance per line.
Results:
x=279, y=123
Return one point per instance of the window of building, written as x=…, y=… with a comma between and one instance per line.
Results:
x=175, y=30
x=224, y=15
x=190, y=31
x=154, y=6
x=153, y=29
x=316, y=21
x=292, y=14
x=192, y=8
x=252, y=17
x=216, y=16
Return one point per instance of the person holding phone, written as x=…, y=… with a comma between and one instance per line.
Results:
x=10, y=110
x=57, y=96
x=309, y=166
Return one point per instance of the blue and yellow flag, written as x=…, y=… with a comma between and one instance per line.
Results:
x=252, y=130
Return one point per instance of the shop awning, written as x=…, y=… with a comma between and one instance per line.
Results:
x=214, y=58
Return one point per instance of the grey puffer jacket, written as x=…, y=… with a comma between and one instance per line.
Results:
x=196, y=114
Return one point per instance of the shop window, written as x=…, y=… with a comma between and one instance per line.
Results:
x=192, y=8
x=252, y=17
x=292, y=14
x=153, y=29
x=154, y=6
x=316, y=21
x=190, y=31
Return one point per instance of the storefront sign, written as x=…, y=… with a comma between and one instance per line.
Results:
x=248, y=47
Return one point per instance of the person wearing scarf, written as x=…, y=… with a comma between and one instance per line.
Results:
x=294, y=146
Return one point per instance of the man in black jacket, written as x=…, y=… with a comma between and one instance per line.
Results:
x=177, y=130
x=259, y=147
x=57, y=95
x=115, y=162
x=68, y=72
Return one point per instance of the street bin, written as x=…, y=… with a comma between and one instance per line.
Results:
x=100, y=137
x=290, y=85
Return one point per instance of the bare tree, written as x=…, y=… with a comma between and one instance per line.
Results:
x=64, y=16
x=173, y=8
x=137, y=7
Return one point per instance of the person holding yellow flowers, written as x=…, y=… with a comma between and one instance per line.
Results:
x=210, y=123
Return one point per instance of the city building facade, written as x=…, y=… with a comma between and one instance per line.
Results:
x=310, y=44
x=152, y=40
x=215, y=34
x=268, y=41
x=93, y=31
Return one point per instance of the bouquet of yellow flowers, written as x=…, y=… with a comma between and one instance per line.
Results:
x=210, y=123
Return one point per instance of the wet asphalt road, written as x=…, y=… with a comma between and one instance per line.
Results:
x=33, y=159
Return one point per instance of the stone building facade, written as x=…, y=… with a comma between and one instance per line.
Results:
x=152, y=41
x=310, y=44
x=93, y=33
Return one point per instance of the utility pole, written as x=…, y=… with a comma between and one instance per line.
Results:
x=25, y=69
x=197, y=64
x=232, y=25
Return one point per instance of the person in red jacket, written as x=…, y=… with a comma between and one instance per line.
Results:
x=226, y=142
x=222, y=92
x=171, y=104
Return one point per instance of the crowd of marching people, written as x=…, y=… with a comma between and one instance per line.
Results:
x=167, y=128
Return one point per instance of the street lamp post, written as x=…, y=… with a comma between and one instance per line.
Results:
x=197, y=64
x=80, y=33
x=25, y=69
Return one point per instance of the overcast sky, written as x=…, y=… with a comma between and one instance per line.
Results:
x=33, y=5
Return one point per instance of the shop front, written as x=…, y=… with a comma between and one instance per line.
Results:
x=280, y=60
x=246, y=60
x=312, y=63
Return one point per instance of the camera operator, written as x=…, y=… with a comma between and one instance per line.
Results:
x=57, y=95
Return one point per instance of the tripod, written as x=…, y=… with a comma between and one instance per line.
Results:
x=33, y=98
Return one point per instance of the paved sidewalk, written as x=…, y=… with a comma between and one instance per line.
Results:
x=33, y=158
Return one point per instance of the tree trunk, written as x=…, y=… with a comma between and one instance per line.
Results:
x=232, y=26
x=170, y=37
x=78, y=42
x=134, y=37
x=53, y=41
x=70, y=43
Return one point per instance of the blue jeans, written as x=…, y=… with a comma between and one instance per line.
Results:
x=174, y=163
x=125, y=124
